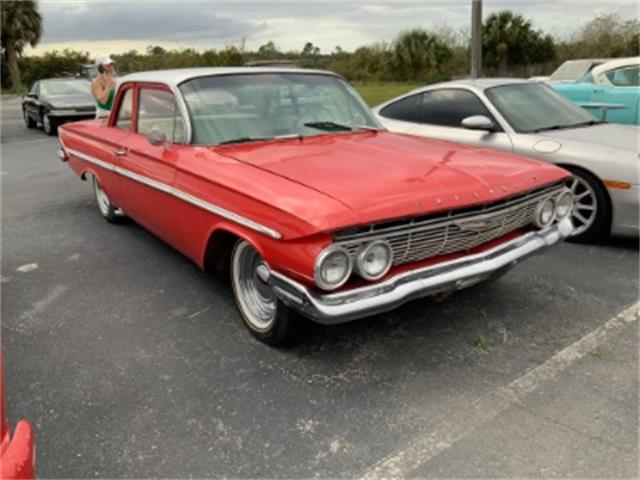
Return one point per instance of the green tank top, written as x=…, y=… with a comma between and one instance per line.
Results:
x=109, y=103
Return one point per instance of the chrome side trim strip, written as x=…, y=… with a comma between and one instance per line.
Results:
x=184, y=196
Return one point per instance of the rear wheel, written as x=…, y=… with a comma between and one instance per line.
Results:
x=107, y=209
x=591, y=211
x=49, y=125
x=28, y=121
x=266, y=317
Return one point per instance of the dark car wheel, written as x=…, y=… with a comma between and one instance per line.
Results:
x=266, y=317
x=591, y=214
x=107, y=209
x=28, y=121
x=49, y=125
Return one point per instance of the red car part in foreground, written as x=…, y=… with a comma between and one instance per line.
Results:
x=286, y=177
x=17, y=453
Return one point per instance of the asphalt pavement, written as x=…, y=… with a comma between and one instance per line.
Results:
x=131, y=362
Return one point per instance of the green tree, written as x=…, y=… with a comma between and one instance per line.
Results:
x=20, y=24
x=268, y=50
x=606, y=36
x=418, y=54
x=509, y=39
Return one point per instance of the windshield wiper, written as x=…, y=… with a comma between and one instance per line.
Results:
x=573, y=125
x=588, y=123
x=327, y=125
x=244, y=140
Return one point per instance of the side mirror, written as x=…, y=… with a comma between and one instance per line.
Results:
x=157, y=138
x=478, y=122
x=31, y=95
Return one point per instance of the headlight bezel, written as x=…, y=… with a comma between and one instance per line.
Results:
x=322, y=257
x=362, y=254
x=564, y=194
x=537, y=216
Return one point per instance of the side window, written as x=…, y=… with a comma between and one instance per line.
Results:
x=406, y=109
x=624, y=77
x=34, y=89
x=448, y=107
x=123, y=121
x=158, y=109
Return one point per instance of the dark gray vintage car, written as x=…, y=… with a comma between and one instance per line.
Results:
x=55, y=101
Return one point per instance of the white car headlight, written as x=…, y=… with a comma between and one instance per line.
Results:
x=333, y=267
x=564, y=204
x=374, y=260
x=545, y=213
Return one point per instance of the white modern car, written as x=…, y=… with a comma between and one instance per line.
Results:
x=529, y=118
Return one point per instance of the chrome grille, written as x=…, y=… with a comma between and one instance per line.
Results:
x=454, y=231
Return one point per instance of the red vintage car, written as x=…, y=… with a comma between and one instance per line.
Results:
x=17, y=453
x=286, y=178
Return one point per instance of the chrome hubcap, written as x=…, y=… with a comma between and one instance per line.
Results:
x=46, y=123
x=255, y=297
x=101, y=197
x=585, y=206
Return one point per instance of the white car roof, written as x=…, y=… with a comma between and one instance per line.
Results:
x=617, y=63
x=175, y=77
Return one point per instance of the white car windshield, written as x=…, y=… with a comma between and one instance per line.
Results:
x=245, y=107
x=533, y=107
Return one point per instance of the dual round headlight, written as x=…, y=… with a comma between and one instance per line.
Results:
x=564, y=204
x=374, y=260
x=553, y=208
x=334, y=265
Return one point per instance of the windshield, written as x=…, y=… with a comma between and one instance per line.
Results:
x=245, y=107
x=64, y=87
x=531, y=107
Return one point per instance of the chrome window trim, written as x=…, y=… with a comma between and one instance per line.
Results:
x=184, y=196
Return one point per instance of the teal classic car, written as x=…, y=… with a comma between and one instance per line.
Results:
x=610, y=91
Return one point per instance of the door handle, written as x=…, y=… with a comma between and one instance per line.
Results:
x=119, y=152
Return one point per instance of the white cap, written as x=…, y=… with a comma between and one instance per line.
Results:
x=103, y=60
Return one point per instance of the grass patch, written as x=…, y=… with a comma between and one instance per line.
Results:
x=480, y=342
x=374, y=93
x=597, y=354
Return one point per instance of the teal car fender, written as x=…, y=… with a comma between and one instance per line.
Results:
x=611, y=103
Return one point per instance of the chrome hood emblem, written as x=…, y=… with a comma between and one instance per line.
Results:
x=479, y=224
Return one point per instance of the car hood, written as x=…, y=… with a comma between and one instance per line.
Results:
x=64, y=101
x=608, y=135
x=383, y=175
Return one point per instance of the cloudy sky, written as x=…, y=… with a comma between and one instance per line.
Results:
x=116, y=26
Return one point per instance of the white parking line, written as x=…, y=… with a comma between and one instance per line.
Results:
x=465, y=421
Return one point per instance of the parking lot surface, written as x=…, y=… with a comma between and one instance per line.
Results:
x=131, y=362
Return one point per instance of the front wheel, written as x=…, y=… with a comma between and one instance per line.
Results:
x=28, y=121
x=267, y=318
x=49, y=125
x=591, y=212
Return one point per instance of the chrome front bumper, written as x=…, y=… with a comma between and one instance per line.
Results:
x=443, y=277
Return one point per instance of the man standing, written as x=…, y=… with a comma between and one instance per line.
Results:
x=103, y=87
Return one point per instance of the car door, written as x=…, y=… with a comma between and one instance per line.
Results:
x=441, y=112
x=148, y=171
x=31, y=103
x=102, y=149
x=619, y=88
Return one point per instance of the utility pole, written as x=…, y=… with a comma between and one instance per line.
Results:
x=476, y=38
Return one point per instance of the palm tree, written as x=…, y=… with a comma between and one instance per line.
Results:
x=20, y=24
x=417, y=53
x=509, y=39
